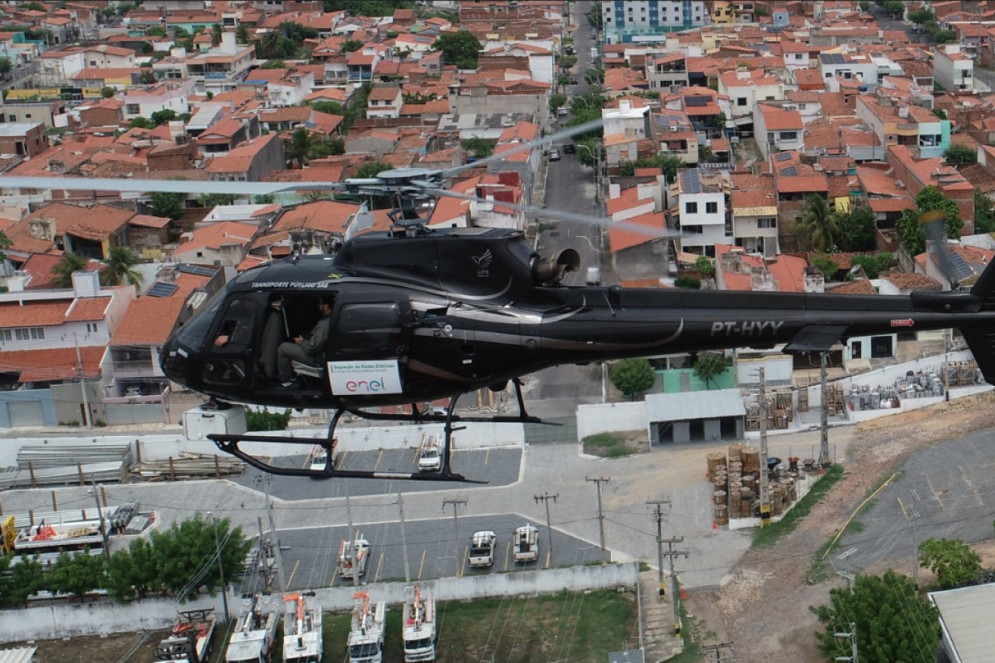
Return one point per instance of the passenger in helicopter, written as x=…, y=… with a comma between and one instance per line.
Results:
x=275, y=331
x=305, y=350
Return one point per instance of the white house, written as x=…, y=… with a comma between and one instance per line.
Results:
x=171, y=95
x=777, y=129
x=745, y=87
x=701, y=207
x=847, y=66
x=953, y=69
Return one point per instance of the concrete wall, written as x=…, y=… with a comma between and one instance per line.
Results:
x=610, y=418
x=63, y=620
x=476, y=435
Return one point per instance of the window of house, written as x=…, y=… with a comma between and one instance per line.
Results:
x=789, y=135
x=6, y=335
x=741, y=101
x=711, y=208
x=767, y=222
x=690, y=208
x=692, y=230
x=12, y=118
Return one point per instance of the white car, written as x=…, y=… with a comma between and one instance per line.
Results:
x=554, y=155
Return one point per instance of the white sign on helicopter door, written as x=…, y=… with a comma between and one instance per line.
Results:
x=358, y=378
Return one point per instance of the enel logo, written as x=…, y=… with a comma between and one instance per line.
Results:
x=365, y=386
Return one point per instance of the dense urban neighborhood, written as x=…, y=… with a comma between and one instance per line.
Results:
x=749, y=146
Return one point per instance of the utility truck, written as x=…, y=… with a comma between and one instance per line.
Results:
x=429, y=454
x=353, y=557
x=418, y=629
x=367, y=634
x=482, y=549
x=190, y=639
x=526, y=546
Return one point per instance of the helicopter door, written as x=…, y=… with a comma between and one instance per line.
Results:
x=370, y=337
x=229, y=357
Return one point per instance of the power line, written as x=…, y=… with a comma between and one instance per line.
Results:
x=544, y=498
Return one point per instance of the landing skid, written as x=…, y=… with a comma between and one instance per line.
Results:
x=230, y=443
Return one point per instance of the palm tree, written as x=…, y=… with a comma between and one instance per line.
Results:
x=216, y=31
x=818, y=224
x=119, y=267
x=63, y=270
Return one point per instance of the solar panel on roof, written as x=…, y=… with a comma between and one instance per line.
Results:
x=691, y=181
x=790, y=171
x=961, y=270
x=161, y=289
x=782, y=156
x=197, y=270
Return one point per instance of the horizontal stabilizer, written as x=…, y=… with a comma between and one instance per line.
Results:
x=815, y=338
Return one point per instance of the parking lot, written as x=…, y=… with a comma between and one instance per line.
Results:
x=499, y=466
x=435, y=548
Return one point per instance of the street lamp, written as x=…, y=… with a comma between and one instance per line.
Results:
x=221, y=570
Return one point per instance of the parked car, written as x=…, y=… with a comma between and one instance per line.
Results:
x=569, y=148
x=554, y=155
x=573, y=81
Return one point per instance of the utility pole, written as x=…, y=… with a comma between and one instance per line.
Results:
x=824, y=427
x=671, y=553
x=717, y=650
x=404, y=539
x=544, y=498
x=601, y=516
x=221, y=569
x=764, y=479
x=852, y=635
x=352, y=541
x=455, y=504
x=277, y=555
x=659, y=545
x=100, y=515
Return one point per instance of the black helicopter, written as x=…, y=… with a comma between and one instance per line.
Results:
x=419, y=314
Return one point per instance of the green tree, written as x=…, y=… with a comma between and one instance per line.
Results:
x=161, y=117
x=133, y=572
x=481, y=148
x=5, y=66
x=77, y=574
x=870, y=265
x=264, y=199
x=329, y=107
x=817, y=228
x=25, y=579
x=5, y=244
x=922, y=16
x=865, y=6
x=594, y=17
x=961, y=155
x=632, y=377
x=274, y=64
x=893, y=622
x=827, y=265
x=351, y=45
x=856, y=229
x=952, y=560
x=459, y=48
x=62, y=271
x=705, y=266
x=156, y=31
x=107, y=92
x=688, y=282
x=667, y=163
x=141, y=123
x=372, y=169
x=166, y=204
x=720, y=120
x=710, y=365
x=147, y=77
x=242, y=33
x=588, y=149
x=894, y=7
x=190, y=547
x=266, y=420
x=984, y=213
x=216, y=31
x=563, y=81
x=557, y=101
x=119, y=268
x=912, y=233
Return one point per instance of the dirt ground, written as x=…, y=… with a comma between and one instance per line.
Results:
x=762, y=608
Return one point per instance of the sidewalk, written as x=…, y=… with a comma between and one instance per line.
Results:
x=657, y=618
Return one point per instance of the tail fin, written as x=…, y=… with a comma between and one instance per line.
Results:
x=981, y=340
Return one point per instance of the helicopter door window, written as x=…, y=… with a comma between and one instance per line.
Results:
x=235, y=333
x=369, y=330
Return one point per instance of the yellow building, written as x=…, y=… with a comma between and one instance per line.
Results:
x=723, y=11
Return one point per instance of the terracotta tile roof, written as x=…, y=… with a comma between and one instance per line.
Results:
x=149, y=221
x=858, y=287
x=93, y=223
x=803, y=184
x=621, y=238
x=752, y=193
x=326, y=215
x=216, y=236
x=52, y=365
x=777, y=119
x=51, y=313
x=909, y=281
x=150, y=320
x=628, y=199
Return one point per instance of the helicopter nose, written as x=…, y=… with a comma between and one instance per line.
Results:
x=174, y=361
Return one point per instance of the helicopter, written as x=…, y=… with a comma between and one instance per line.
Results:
x=418, y=314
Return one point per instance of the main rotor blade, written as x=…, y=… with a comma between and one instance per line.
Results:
x=586, y=219
x=551, y=138
x=122, y=185
x=934, y=222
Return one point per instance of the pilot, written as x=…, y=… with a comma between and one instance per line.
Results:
x=237, y=327
x=306, y=350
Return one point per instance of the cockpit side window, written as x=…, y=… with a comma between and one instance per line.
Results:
x=235, y=331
